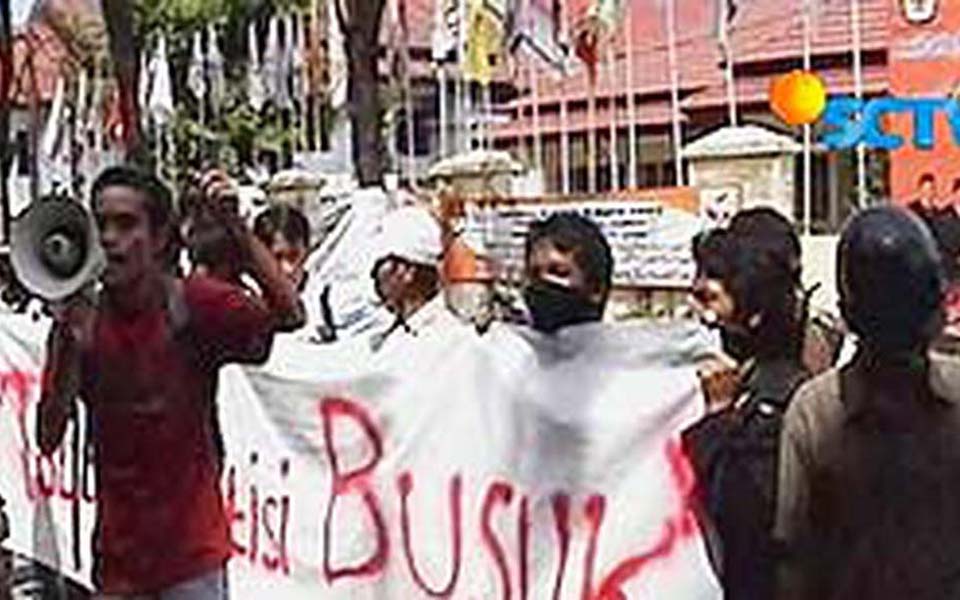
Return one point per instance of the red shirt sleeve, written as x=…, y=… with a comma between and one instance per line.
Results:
x=228, y=321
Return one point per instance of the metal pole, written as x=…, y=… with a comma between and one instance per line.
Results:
x=442, y=108
x=858, y=92
x=535, y=98
x=728, y=69
x=564, y=131
x=592, y=136
x=487, y=116
x=462, y=88
x=34, y=129
x=411, y=125
x=564, y=142
x=675, y=92
x=631, y=105
x=611, y=76
x=408, y=95
x=807, y=154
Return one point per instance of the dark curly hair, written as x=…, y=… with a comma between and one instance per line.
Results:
x=572, y=232
x=758, y=260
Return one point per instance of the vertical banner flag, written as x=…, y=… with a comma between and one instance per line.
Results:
x=160, y=103
x=446, y=30
x=196, y=80
x=483, y=37
x=215, y=71
x=256, y=90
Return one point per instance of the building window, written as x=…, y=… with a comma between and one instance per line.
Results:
x=424, y=125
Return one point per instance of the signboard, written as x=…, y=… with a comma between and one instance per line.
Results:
x=650, y=240
x=924, y=63
x=917, y=12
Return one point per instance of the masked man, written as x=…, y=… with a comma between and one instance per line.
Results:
x=569, y=267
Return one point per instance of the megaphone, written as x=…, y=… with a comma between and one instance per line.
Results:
x=55, y=249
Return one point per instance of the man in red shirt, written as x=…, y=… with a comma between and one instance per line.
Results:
x=145, y=360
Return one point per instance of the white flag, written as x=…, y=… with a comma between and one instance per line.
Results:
x=196, y=82
x=161, y=90
x=256, y=94
x=337, y=61
x=218, y=81
x=82, y=88
x=143, y=86
x=298, y=63
x=446, y=27
x=52, y=130
x=272, y=68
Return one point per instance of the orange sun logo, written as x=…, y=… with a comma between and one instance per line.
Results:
x=798, y=97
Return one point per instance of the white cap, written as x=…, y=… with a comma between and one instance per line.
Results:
x=410, y=233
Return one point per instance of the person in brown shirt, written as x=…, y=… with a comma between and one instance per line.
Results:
x=869, y=477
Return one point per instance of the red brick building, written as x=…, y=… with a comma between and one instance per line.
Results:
x=766, y=39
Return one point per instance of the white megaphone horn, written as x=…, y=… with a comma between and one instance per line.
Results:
x=55, y=249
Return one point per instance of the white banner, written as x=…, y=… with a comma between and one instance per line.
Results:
x=512, y=465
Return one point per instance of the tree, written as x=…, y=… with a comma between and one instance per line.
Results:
x=118, y=17
x=360, y=22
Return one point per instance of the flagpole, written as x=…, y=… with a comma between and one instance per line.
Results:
x=858, y=93
x=34, y=129
x=807, y=154
x=675, y=92
x=592, y=140
x=442, y=108
x=631, y=105
x=564, y=141
x=563, y=26
x=728, y=59
x=407, y=93
x=461, y=84
x=612, y=149
x=535, y=97
x=488, y=128
x=95, y=122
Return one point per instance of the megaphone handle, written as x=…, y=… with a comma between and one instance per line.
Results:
x=87, y=296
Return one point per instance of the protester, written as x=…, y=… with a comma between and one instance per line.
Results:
x=5, y=557
x=569, y=267
x=940, y=213
x=210, y=247
x=926, y=198
x=406, y=274
x=748, y=286
x=870, y=452
x=286, y=232
x=145, y=360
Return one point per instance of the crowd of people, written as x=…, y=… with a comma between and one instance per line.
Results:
x=827, y=478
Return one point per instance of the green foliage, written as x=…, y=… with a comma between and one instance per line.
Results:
x=232, y=137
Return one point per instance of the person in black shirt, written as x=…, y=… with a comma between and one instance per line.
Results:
x=941, y=216
x=747, y=286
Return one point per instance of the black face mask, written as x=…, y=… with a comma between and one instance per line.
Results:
x=553, y=306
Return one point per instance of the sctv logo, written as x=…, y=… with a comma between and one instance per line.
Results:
x=800, y=98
